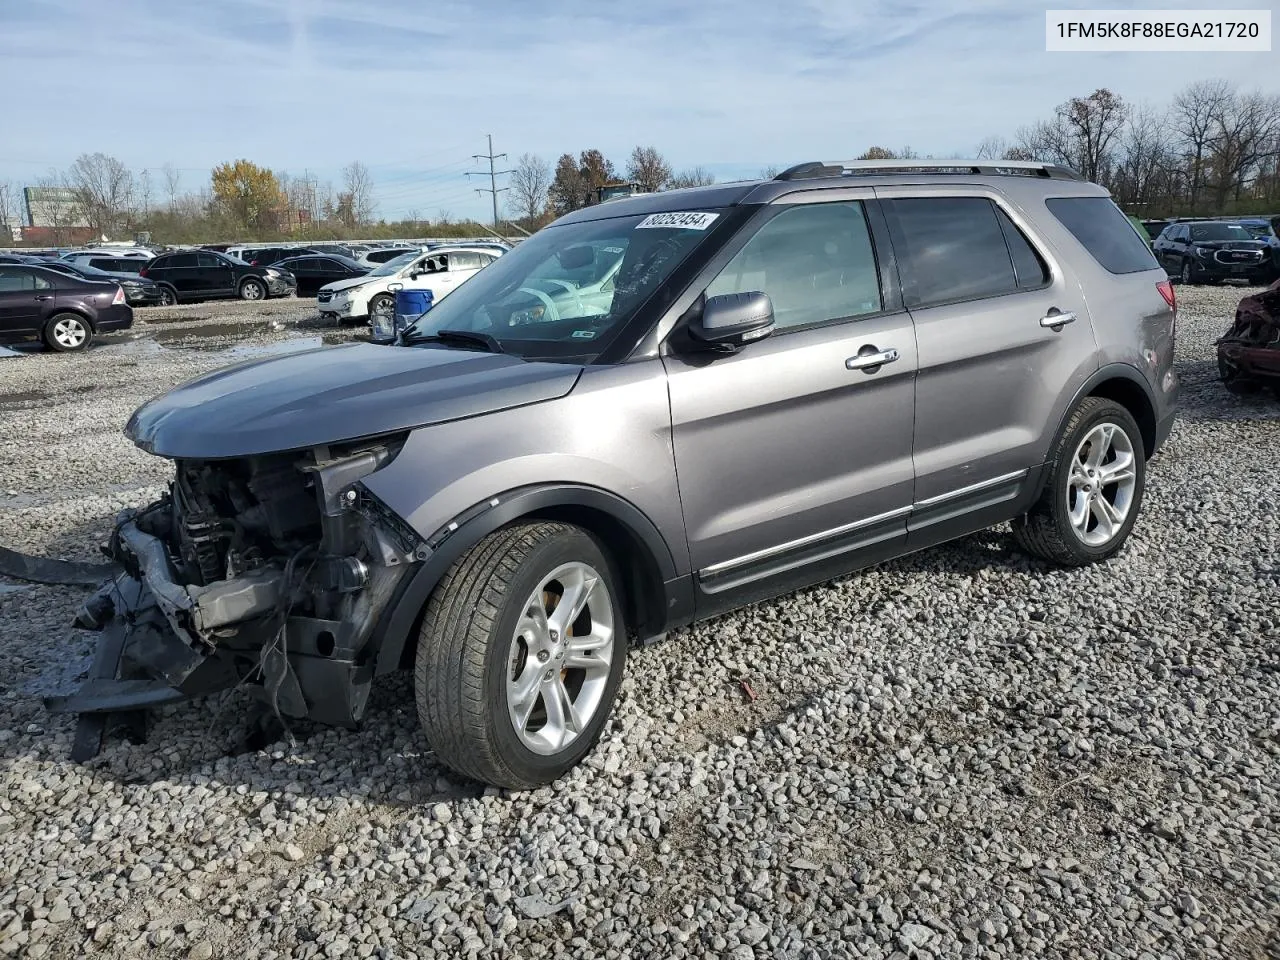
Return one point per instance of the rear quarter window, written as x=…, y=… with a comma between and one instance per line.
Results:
x=1105, y=232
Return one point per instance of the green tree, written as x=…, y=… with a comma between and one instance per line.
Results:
x=248, y=194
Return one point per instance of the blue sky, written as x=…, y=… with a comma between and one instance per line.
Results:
x=412, y=88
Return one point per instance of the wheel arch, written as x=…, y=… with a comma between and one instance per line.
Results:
x=1124, y=384
x=653, y=595
x=74, y=310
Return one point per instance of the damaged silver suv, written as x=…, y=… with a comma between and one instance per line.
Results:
x=651, y=412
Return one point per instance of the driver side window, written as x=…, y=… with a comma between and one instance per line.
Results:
x=815, y=262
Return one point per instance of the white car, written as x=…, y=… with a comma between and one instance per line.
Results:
x=380, y=255
x=440, y=270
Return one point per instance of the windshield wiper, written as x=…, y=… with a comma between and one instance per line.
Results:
x=459, y=336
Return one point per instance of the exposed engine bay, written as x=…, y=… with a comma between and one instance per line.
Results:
x=1249, y=352
x=269, y=572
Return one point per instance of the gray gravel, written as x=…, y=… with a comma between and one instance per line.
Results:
x=963, y=753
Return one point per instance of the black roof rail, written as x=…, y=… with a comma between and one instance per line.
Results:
x=987, y=168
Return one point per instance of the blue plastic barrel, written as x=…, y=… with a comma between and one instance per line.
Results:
x=410, y=305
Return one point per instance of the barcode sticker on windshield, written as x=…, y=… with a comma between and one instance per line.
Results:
x=678, y=221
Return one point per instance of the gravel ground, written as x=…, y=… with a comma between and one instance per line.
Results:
x=963, y=753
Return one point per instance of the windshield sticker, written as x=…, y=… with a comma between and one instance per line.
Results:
x=678, y=221
x=584, y=334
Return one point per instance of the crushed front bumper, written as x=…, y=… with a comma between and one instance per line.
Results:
x=295, y=632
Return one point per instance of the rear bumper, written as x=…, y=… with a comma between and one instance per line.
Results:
x=117, y=317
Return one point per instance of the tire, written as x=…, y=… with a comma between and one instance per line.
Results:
x=67, y=332
x=253, y=289
x=477, y=649
x=380, y=302
x=168, y=297
x=1047, y=530
x=1187, y=276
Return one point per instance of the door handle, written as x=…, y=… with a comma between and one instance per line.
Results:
x=1052, y=319
x=44, y=296
x=871, y=359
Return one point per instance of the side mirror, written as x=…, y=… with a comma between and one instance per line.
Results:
x=732, y=320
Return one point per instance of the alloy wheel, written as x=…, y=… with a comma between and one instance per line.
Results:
x=1101, y=485
x=69, y=332
x=558, y=667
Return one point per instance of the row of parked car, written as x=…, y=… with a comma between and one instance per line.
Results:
x=66, y=299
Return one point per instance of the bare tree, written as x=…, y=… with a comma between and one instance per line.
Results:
x=172, y=185
x=358, y=187
x=769, y=172
x=648, y=168
x=697, y=177
x=992, y=148
x=529, y=182
x=1145, y=168
x=56, y=209
x=1048, y=141
x=145, y=190
x=8, y=209
x=1245, y=128
x=1194, y=112
x=1094, y=122
x=104, y=189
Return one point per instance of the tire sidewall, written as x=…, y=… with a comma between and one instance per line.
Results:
x=1117, y=415
x=252, y=282
x=172, y=294
x=378, y=298
x=545, y=557
x=52, y=341
x=1188, y=275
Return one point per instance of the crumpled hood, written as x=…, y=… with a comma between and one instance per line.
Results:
x=336, y=393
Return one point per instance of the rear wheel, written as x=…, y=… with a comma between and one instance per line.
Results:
x=253, y=289
x=1094, y=490
x=520, y=655
x=168, y=297
x=66, y=332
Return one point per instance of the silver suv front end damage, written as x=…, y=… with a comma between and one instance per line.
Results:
x=264, y=572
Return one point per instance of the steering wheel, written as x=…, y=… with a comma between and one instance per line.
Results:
x=551, y=313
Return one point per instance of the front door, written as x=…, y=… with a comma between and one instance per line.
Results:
x=23, y=295
x=794, y=454
x=216, y=278
x=993, y=364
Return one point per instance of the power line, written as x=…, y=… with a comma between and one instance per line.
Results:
x=493, y=177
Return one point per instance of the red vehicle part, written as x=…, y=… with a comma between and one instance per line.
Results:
x=1249, y=352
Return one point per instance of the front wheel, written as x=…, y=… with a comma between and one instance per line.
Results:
x=252, y=290
x=1188, y=273
x=383, y=305
x=1097, y=473
x=168, y=297
x=520, y=655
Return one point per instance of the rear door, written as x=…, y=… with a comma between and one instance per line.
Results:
x=794, y=454
x=181, y=272
x=983, y=290
x=22, y=300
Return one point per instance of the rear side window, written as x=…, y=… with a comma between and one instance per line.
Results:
x=954, y=249
x=13, y=281
x=181, y=260
x=1105, y=232
x=102, y=263
x=1031, y=271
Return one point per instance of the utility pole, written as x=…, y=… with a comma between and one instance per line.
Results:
x=493, y=177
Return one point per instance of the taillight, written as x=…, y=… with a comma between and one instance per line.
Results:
x=1171, y=298
x=119, y=298
x=142, y=272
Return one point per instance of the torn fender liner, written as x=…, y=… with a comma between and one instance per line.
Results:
x=22, y=566
x=1249, y=352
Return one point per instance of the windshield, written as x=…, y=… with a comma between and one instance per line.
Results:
x=396, y=265
x=564, y=291
x=1259, y=231
x=1220, y=231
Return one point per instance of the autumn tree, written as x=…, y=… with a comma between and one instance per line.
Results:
x=648, y=168
x=575, y=182
x=529, y=182
x=878, y=153
x=248, y=193
x=596, y=172
x=104, y=191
